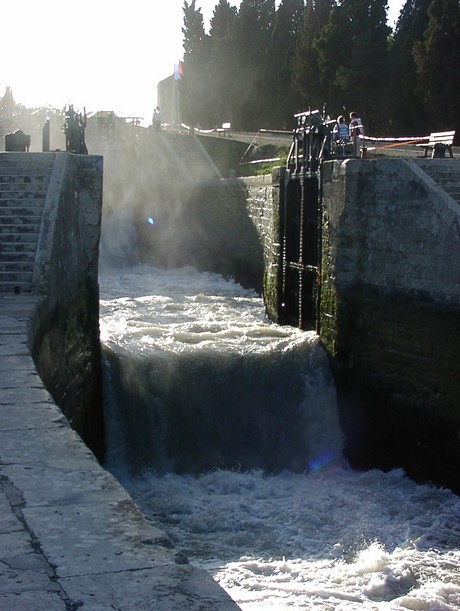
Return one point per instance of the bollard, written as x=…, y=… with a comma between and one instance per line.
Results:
x=439, y=151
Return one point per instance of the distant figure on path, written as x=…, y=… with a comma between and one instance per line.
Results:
x=156, y=120
x=356, y=130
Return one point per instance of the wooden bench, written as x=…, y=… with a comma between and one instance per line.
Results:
x=445, y=138
x=225, y=129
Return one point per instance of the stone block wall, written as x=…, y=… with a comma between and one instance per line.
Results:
x=65, y=332
x=230, y=242
x=204, y=225
x=390, y=315
x=262, y=195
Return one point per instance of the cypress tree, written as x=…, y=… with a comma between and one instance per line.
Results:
x=194, y=84
x=279, y=91
x=437, y=59
x=406, y=108
x=222, y=65
x=306, y=69
x=252, y=37
x=353, y=60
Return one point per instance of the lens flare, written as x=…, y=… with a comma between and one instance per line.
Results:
x=321, y=462
x=151, y=220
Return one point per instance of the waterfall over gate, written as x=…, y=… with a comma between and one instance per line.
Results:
x=197, y=378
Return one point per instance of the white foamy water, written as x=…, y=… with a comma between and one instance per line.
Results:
x=330, y=540
x=150, y=310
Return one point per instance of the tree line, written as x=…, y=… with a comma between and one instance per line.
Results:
x=259, y=65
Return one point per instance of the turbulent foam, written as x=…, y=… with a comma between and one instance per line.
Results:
x=329, y=539
x=181, y=311
x=200, y=378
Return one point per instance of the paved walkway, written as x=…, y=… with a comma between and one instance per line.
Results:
x=70, y=535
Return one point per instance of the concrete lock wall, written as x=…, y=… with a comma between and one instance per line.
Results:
x=390, y=315
x=262, y=205
x=65, y=331
x=389, y=293
x=390, y=309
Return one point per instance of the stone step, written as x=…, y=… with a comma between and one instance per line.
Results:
x=24, y=183
x=10, y=230
x=450, y=184
x=12, y=189
x=13, y=255
x=27, y=159
x=444, y=177
x=20, y=215
x=29, y=170
x=21, y=223
x=15, y=286
x=439, y=165
x=7, y=177
x=20, y=241
x=452, y=190
x=190, y=153
x=445, y=172
x=22, y=200
x=14, y=267
x=16, y=276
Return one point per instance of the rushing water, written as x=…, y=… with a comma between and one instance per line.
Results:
x=327, y=538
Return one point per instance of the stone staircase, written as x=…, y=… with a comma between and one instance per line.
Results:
x=191, y=156
x=24, y=180
x=445, y=172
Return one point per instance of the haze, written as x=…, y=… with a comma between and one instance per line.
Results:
x=98, y=54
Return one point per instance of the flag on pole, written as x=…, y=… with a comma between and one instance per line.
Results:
x=178, y=71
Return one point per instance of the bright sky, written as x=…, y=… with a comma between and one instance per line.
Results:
x=98, y=54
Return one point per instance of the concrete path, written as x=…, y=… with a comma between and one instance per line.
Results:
x=70, y=536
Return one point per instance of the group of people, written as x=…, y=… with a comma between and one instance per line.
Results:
x=345, y=140
x=345, y=131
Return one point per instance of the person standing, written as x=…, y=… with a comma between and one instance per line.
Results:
x=341, y=129
x=156, y=120
x=356, y=130
x=356, y=125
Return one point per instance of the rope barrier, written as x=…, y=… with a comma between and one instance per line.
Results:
x=394, y=142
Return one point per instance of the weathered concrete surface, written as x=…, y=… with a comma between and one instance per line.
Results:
x=70, y=535
x=390, y=314
x=65, y=334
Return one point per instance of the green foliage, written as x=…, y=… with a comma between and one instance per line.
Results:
x=195, y=82
x=352, y=57
x=225, y=152
x=407, y=112
x=437, y=59
x=306, y=69
x=260, y=64
x=233, y=156
x=223, y=96
x=256, y=161
x=279, y=91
